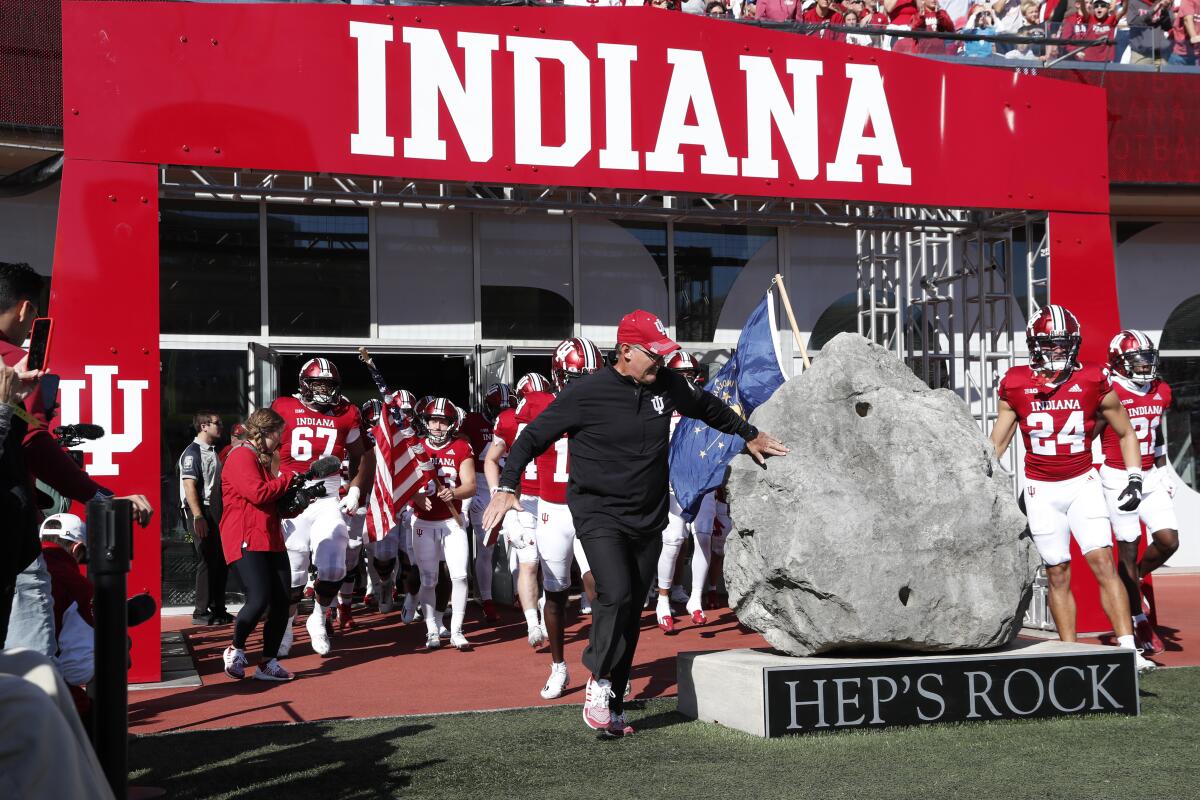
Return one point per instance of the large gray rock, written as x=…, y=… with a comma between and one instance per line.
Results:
x=887, y=525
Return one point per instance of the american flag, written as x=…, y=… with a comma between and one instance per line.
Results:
x=400, y=472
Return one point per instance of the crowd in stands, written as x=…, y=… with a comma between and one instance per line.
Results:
x=1139, y=31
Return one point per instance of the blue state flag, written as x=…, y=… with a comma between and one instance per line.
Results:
x=700, y=454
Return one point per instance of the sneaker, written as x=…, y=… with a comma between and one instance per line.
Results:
x=489, y=611
x=585, y=605
x=618, y=726
x=1148, y=638
x=222, y=618
x=556, y=682
x=272, y=671
x=316, y=630
x=285, y=644
x=432, y=641
x=345, y=617
x=1143, y=664
x=409, y=612
x=443, y=631
x=458, y=640
x=596, y=713
x=678, y=595
x=202, y=619
x=536, y=636
x=235, y=662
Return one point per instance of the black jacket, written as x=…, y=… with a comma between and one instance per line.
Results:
x=619, y=445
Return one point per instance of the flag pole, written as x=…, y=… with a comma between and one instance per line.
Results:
x=787, y=307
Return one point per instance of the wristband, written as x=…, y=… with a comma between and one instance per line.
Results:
x=1133, y=473
x=506, y=489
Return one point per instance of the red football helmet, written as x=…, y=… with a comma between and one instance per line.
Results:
x=532, y=382
x=1053, y=339
x=402, y=401
x=439, y=408
x=319, y=382
x=1132, y=355
x=574, y=358
x=684, y=363
x=499, y=397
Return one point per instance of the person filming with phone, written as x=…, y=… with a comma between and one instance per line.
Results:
x=26, y=607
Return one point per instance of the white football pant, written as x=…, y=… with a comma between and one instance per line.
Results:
x=1156, y=511
x=320, y=536
x=1058, y=510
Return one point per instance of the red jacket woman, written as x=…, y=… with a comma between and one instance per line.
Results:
x=249, y=521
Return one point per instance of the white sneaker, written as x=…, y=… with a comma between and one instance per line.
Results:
x=585, y=605
x=1143, y=664
x=235, y=662
x=272, y=671
x=536, y=636
x=678, y=595
x=556, y=682
x=285, y=644
x=387, y=602
x=409, y=612
x=316, y=630
x=596, y=713
x=458, y=640
x=432, y=641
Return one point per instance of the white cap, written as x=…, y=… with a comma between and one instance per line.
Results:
x=67, y=527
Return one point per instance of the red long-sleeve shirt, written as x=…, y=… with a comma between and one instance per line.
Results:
x=249, y=520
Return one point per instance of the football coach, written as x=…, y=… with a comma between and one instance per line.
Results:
x=618, y=420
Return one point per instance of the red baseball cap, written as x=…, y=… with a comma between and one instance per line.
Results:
x=643, y=328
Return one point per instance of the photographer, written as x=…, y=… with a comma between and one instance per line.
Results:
x=252, y=538
x=39, y=456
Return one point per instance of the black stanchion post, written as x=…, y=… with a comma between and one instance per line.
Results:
x=110, y=542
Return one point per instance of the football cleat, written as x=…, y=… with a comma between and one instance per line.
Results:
x=666, y=623
x=618, y=727
x=409, y=612
x=235, y=662
x=345, y=617
x=316, y=630
x=272, y=671
x=387, y=600
x=432, y=641
x=585, y=605
x=459, y=641
x=285, y=644
x=369, y=600
x=596, y=696
x=557, y=681
x=309, y=592
x=699, y=618
x=1142, y=663
x=1148, y=638
x=489, y=611
x=536, y=636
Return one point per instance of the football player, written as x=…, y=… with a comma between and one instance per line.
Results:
x=477, y=427
x=1055, y=401
x=438, y=534
x=1133, y=367
x=532, y=382
x=677, y=530
x=557, y=544
x=518, y=527
x=319, y=421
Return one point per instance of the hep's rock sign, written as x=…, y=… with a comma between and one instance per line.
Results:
x=888, y=525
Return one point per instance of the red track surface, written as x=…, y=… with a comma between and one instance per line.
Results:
x=379, y=669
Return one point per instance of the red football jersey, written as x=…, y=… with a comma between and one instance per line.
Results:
x=1057, y=423
x=309, y=435
x=479, y=433
x=448, y=458
x=506, y=431
x=554, y=465
x=1145, y=409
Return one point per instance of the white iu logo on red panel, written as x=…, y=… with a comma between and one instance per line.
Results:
x=100, y=378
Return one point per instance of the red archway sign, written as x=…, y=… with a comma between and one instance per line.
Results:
x=619, y=98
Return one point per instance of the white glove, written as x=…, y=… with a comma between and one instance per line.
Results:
x=349, y=503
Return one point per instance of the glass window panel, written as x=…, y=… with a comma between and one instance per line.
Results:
x=192, y=380
x=319, y=272
x=426, y=279
x=721, y=272
x=525, y=272
x=622, y=266
x=437, y=375
x=209, y=268
x=1182, y=329
x=1183, y=418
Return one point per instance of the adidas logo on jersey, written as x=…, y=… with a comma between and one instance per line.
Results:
x=1157, y=396
x=1075, y=388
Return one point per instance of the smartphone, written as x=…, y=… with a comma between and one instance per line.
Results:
x=39, y=343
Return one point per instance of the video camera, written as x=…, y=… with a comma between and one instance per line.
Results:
x=299, y=496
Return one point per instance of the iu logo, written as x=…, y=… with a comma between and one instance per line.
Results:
x=100, y=378
x=658, y=403
x=545, y=518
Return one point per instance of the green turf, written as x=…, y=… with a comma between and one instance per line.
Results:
x=547, y=753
